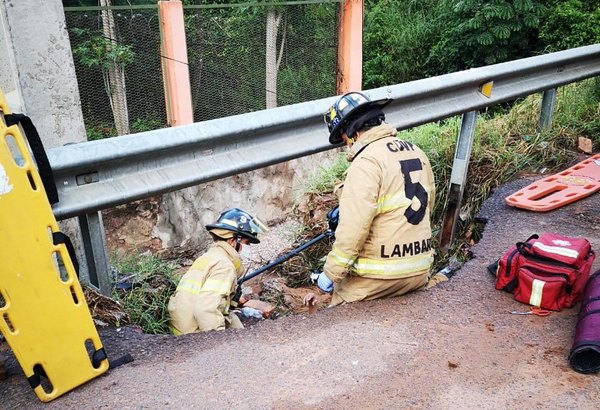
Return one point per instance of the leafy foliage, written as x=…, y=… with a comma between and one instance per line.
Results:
x=407, y=40
x=571, y=23
x=397, y=37
x=476, y=33
x=99, y=51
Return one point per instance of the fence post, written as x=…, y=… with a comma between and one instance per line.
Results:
x=548, y=100
x=349, y=75
x=458, y=178
x=98, y=266
x=174, y=63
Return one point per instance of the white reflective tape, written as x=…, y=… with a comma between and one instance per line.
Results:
x=5, y=186
x=557, y=250
x=537, y=287
x=395, y=268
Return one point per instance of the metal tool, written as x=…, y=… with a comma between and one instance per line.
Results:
x=533, y=311
x=333, y=217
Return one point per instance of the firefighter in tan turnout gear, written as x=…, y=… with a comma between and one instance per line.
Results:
x=383, y=243
x=203, y=296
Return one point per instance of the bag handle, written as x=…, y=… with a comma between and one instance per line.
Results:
x=522, y=245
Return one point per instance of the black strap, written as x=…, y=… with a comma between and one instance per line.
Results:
x=59, y=237
x=97, y=357
x=39, y=153
x=527, y=244
x=35, y=380
x=127, y=358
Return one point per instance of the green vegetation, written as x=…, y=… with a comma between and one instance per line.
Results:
x=327, y=177
x=99, y=51
x=151, y=283
x=408, y=40
x=571, y=23
x=474, y=33
x=145, y=124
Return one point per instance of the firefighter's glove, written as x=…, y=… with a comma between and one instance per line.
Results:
x=436, y=279
x=322, y=281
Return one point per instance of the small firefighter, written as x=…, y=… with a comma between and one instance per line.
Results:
x=383, y=244
x=204, y=294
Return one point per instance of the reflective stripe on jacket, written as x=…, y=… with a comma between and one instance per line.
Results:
x=201, y=301
x=384, y=230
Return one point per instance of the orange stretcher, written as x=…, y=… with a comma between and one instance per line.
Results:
x=570, y=185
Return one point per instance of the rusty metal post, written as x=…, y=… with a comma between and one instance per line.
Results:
x=458, y=179
x=174, y=62
x=349, y=76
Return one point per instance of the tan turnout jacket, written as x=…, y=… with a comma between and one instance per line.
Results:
x=201, y=301
x=383, y=241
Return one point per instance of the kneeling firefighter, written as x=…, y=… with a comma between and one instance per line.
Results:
x=383, y=243
x=204, y=294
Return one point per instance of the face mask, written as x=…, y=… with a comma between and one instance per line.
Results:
x=245, y=252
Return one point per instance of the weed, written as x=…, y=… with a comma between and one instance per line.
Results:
x=149, y=283
x=100, y=131
x=327, y=177
x=145, y=124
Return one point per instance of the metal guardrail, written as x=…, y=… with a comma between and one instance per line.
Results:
x=100, y=174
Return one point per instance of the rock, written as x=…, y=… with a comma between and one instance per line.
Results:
x=266, y=308
x=289, y=300
x=585, y=145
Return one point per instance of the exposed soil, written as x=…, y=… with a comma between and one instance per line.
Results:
x=453, y=346
x=129, y=227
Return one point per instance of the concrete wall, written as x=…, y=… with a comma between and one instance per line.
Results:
x=38, y=75
x=267, y=193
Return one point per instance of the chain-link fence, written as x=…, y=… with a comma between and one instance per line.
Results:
x=242, y=58
x=117, y=62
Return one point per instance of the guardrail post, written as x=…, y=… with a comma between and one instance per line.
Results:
x=458, y=179
x=92, y=236
x=349, y=76
x=547, y=109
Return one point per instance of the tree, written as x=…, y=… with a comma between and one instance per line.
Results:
x=481, y=32
x=115, y=73
x=397, y=37
x=272, y=57
x=571, y=23
x=103, y=51
x=99, y=51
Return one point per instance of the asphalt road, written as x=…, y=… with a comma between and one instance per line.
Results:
x=454, y=346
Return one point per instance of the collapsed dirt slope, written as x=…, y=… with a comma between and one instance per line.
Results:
x=454, y=346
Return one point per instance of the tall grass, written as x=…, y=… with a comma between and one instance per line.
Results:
x=150, y=283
